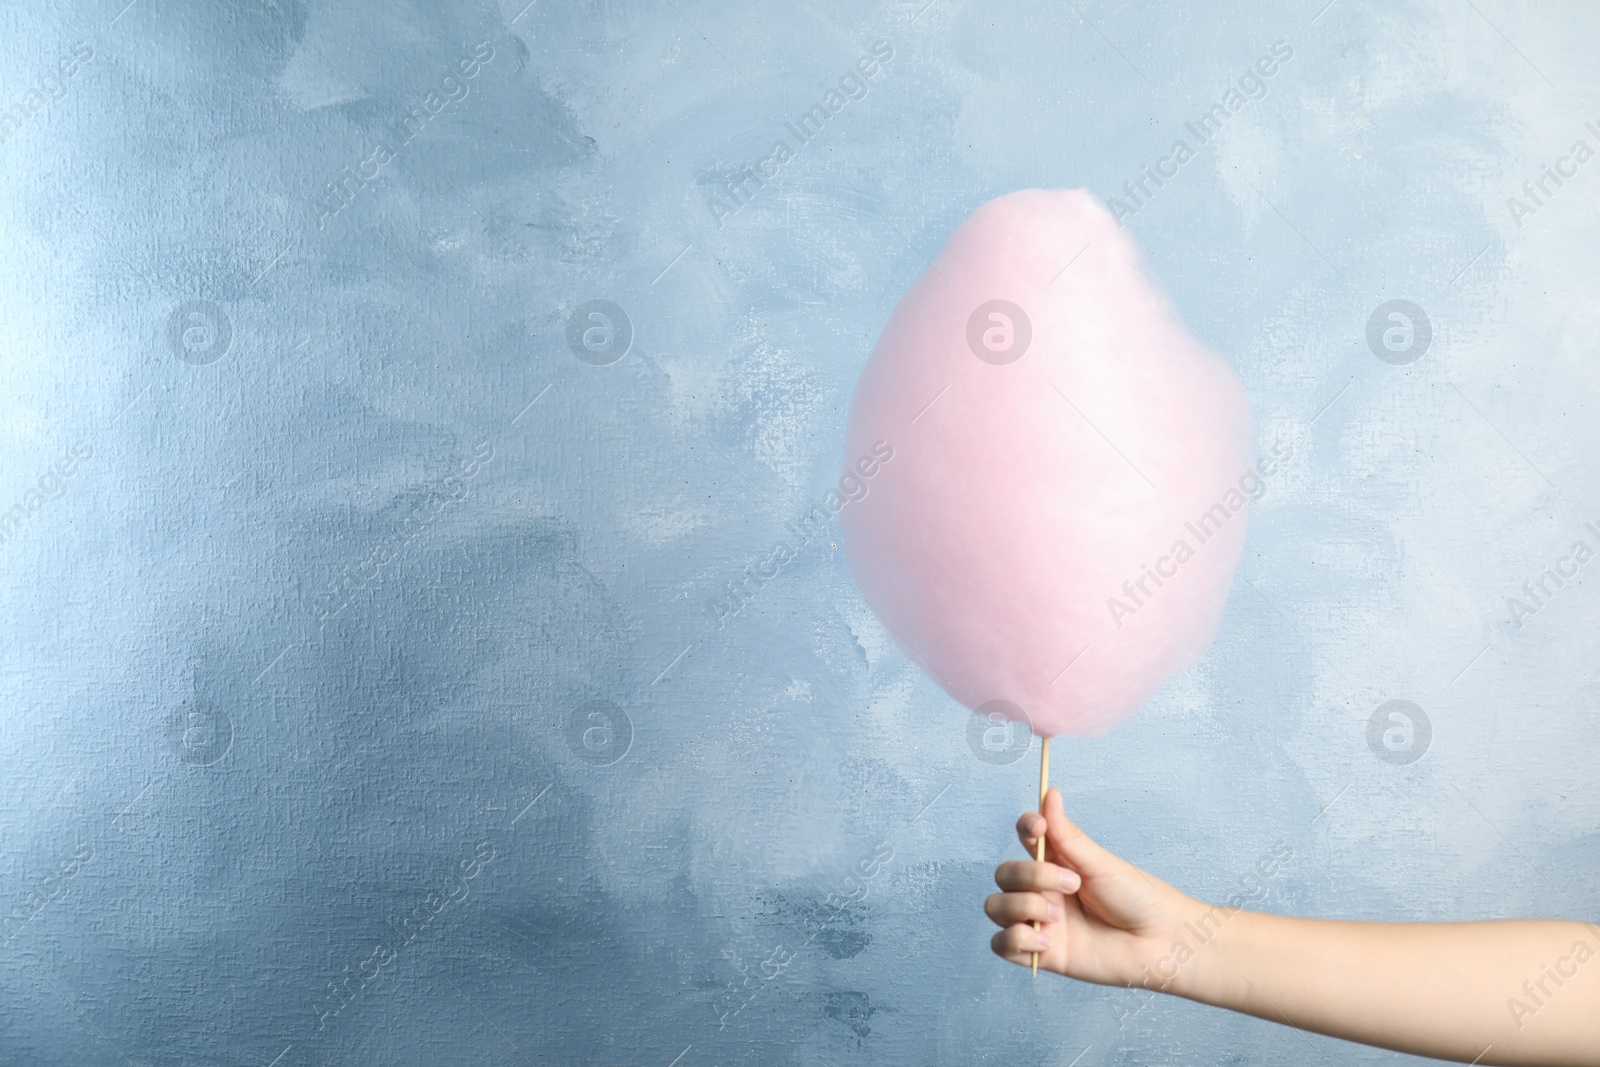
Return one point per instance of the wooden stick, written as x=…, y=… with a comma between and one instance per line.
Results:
x=1038, y=848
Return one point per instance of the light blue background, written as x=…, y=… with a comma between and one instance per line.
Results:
x=679, y=906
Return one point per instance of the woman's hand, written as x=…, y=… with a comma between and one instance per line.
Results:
x=1509, y=992
x=1102, y=919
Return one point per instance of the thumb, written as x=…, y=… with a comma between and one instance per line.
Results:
x=1071, y=843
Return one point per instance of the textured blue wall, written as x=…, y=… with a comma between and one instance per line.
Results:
x=373, y=687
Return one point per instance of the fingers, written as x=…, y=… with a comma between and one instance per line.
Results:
x=1071, y=843
x=1018, y=943
x=1030, y=824
x=1008, y=909
x=1066, y=840
x=1029, y=876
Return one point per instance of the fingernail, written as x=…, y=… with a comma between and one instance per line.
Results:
x=1070, y=881
x=1042, y=941
x=1054, y=911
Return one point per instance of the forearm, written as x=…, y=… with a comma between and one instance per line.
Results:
x=1528, y=992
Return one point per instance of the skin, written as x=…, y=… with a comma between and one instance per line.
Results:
x=1444, y=990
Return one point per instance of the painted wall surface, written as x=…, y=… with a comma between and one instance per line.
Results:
x=374, y=691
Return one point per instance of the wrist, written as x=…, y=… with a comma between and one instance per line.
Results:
x=1184, y=958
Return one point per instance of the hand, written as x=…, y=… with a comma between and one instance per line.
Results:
x=1102, y=919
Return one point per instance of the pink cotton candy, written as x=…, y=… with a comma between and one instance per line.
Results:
x=1056, y=529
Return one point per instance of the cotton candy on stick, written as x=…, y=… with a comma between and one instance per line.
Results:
x=1058, y=528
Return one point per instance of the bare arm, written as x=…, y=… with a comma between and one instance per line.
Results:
x=1485, y=992
x=1508, y=992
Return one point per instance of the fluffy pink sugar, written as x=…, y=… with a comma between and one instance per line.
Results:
x=1020, y=497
